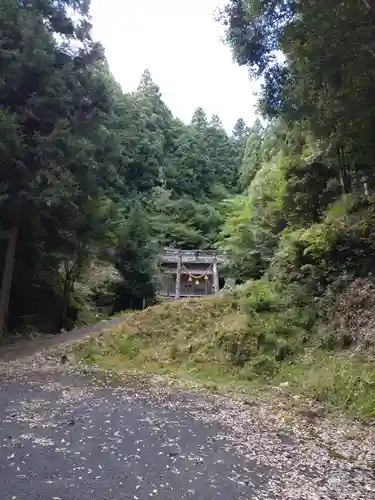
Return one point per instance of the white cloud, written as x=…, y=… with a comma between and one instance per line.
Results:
x=180, y=43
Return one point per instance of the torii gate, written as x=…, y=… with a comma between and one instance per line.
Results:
x=189, y=273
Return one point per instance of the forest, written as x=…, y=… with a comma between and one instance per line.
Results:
x=94, y=181
x=305, y=212
x=300, y=232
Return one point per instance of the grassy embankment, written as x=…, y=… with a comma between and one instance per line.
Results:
x=226, y=343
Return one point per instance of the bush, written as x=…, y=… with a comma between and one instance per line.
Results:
x=343, y=244
x=128, y=347
x=262, y=298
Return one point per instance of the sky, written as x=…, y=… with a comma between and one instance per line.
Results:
x=180, y=43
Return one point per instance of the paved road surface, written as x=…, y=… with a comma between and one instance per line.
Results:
x=60, y=440
x=68, y=435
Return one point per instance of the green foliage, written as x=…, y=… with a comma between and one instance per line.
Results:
x=253, y=223
x=252, y=159
x=319, y=98
x=326, y=48
x=215, y=342
x=276, y=327
x=77, y=154
x=336, y=380
x=91, y=177
x=55, y=118
x=135, y=261
x=341, y=245
x=240, y=131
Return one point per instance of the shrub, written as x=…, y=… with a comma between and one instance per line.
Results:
x=343, y=244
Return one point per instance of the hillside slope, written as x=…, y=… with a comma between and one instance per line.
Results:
x=213, y=341
x=189, y=335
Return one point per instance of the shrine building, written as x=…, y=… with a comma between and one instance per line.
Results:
x=189, y=273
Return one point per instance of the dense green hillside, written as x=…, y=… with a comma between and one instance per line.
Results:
x=93, y=179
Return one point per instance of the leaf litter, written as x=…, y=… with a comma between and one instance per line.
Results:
x=153, y=440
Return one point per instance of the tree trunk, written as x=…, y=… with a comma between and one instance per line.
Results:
x=7, y=278
x=343, y=174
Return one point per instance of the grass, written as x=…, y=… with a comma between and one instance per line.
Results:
x=225, y=345
x=186, y=332
x=339, y=380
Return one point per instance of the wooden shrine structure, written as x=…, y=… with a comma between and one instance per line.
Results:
x=189, y=273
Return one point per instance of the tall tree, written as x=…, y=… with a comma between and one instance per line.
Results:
x=240, y=130
x=239, y=137
x=252, y=158
x=215, y=122
x=254, y=221
x=56, y=112
x=328, y=51
x=155, y=120
x=135, y=261
x=199, y=119
x=223, y=155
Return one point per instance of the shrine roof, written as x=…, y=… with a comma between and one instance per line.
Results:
x=194, y=256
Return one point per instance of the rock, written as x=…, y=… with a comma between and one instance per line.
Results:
x=63, y=359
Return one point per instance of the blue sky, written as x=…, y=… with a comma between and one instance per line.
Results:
x=180, y=43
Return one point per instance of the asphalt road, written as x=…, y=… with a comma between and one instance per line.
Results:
x=67, y=433
x=63, y=440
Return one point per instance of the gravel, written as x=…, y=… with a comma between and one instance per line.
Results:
x=76, y=433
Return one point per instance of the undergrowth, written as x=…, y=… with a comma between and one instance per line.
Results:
x=239, y=341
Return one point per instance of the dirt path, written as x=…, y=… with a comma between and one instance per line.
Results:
x=27, y=347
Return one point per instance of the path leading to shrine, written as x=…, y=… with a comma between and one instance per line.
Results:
x=28, y=347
